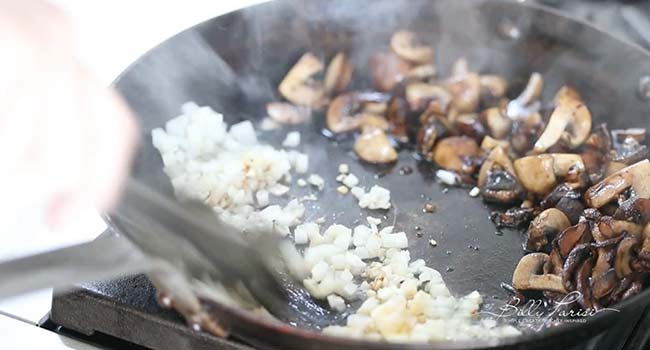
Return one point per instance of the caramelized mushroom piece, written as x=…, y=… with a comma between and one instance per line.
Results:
x=573, y=262
x=373, y=146
x=387, y=70
x=555, y=263
x=604, y=284
x=298, y=86
x=497, y=122
x=624, y=255
x=566, y=93
x=338, y=74
x=545, y=227
x=572, y=236
x=397, y=115
x=636, y=210
x=344, y=113
x=636, y=176
x=469, y=125
x=497, y=158
x=644, y=252
x=539, y=174
x=407, y=46
x=527, y=102
x=582, y=278
x=570, y=117
x=452, y=153
x=490, y=143
x=608, y=228
x=493, y=86
x=419, y=96
x=286, y=113
x=565, y=198
x=465, y=88
x=604, y=261
x=525, y=131
x=527, y=275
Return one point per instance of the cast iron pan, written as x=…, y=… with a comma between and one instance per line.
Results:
x=234, y=63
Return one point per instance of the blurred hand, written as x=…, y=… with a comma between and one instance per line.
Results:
x=65, y=139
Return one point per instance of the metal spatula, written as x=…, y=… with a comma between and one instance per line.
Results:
x=189, y=237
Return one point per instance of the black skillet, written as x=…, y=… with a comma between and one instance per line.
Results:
x=233, y=63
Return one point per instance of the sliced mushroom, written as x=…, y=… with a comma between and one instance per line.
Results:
x=527, y=275
x=338, y=74
x=419, y=96
x=636, y=210
x=286, y=113
x=571, y=118
x=527, y=102
x=566, y=199
x=609, y=228
x=493, y=86
x=555, y=262
x=497, y=122
x=407, y=46
x=298, y=86
x=525, y=132
x=373, y=146
x=636, y=176
x=387, y=70
x=343, y=114
x=566, y=93
x=497, y=158
x=604, y=261
x=539, y=174
x=451, y=153
x=397, y=115
x=501, y=187
x=572, y=264
x=644, y=252
x=582, y=278
x=490, y=143
x=545, y=227
x=466, y=91
x=468, y=124
x=604, y=284
x=571, y=237
x=624, y=255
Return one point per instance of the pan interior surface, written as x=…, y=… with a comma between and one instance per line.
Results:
x=234, y=63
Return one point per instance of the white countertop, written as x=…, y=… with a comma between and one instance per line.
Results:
x=111, y=35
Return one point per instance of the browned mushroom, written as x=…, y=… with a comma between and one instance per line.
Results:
x=497, y=158
x=604, y=284
x=527, y=275
x=565, y=198
x=497, y=122
x=624, y=256
x=451, y=153
x=419, y=95
x=397, y=115
x=539, y=174
x=570, y=117
x=373, y=146
x=407, y=46
x=525, y=131
x=573, y=262
x=571, y=237
x=345, y=111
x=604, y=261
x=583, y=285
x=555, y=262
x=286, y=113
x=629, y=151
x=465, y=88
x=636, y=210
x=490, y=143
x=493, y=86
x=387, y=70
x=468, y=124
x=545, y=227
x=338, y=74
x=514, y=217
x=299, y=87
x=636, y=176
x=527, y=102
x=608, y=228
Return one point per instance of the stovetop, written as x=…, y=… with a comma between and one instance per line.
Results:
x=124, y=314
